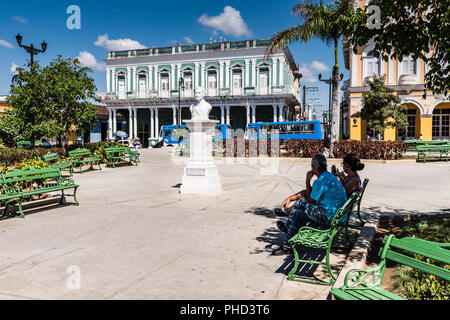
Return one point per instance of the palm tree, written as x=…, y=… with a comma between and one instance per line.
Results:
x=328, y=22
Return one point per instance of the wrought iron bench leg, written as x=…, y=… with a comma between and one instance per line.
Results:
x=75, y=196
x=20, y=208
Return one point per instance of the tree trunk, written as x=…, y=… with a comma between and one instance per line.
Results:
x=336, y=114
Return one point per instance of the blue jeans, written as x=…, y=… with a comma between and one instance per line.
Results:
x=303, y=212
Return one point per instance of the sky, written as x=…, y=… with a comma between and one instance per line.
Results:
x=120, y=25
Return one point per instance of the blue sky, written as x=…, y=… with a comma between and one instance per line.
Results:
x=114, y=23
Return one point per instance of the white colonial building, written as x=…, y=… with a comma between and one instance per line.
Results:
x=242, y=87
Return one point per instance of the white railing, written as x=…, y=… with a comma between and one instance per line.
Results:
x=407, y=79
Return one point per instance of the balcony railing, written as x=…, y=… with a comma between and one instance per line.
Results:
x=407, y=79
x=210, y=93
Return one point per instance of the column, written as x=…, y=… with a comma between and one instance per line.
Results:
x=172, y=78
x=275, y=113
x=130, y=123
x=152, y=123
x=156, y=123
x=174, y=111
x=128, y=79
x=156, y=84
x=253, y=113
x=247, y=73
x=108, y=80
x=254, y=73
x=204, y=76
x=114, y=87
x=228, y=114
x=222, y=114
x=281, y=116
x=196, y=79
x=248, y=113
x=114, y=121
x=220, y=79
x=135, y=124
x=179, y=75
x=281, y=72
x=110, y=124
x=227, y=74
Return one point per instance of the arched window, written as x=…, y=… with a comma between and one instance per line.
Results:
x=371, y=65
x=212, y=82
x=142, y=84
x=121, y=85
x=408, y=66
x=237, y=82
x=264, y=79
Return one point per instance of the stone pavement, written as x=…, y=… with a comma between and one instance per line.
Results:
x=135, y=237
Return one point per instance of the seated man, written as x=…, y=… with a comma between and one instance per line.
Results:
x=317, y=203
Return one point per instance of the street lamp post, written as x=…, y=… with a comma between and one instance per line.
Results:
x=31, y=49
x=329, y=81
x=180, y=86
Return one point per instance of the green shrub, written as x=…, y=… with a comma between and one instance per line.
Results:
x=11, y=156
x=304, y=148
x=376, y=150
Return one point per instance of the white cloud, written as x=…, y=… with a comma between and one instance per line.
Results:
x=88, y=60
x=308, y=75
x=229, y=22
x=320, y=66
x=13, y=69
x=6, y=44
x=188, y=40
x=20, y=19
x=310, y=70
x=117, y=45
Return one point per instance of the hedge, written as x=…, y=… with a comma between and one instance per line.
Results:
x=11, y=156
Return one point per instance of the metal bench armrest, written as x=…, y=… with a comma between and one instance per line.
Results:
x=371, y=278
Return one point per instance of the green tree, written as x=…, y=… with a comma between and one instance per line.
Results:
x=381, y=108
x=50, y=101
x=328, y=22
x=417, y=28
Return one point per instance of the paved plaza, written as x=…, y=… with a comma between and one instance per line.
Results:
x=135, y=237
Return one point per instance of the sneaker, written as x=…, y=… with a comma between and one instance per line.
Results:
x=279, y=213
x=282, y=226
x=286, y=247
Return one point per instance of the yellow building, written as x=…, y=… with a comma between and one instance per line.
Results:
x=427, y=117
x=3, y=105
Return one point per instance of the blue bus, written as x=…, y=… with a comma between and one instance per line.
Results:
x=290, y=130
x=167, y=132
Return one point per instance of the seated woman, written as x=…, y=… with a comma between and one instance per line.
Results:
x=349, y=177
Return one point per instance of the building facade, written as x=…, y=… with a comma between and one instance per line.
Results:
x=239, y=83
x=427, y=117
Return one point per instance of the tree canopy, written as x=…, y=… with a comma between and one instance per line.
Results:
x=49, y=101
x=381, y=108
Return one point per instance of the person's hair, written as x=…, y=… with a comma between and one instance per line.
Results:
x=354, y=162
x=319, y=162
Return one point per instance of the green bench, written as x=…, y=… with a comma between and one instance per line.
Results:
x=54, y=160
x=311, y=237
x=79, y=157
x=23, y=144
x=322, y=239
x=114, y=154
x=23, y=184
x=427, y=150
x=366, y=284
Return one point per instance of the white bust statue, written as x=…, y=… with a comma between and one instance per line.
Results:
x=202, y=109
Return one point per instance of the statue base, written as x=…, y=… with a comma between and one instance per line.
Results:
x=201, y=175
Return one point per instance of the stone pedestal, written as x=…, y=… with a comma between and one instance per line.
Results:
x=201, y=175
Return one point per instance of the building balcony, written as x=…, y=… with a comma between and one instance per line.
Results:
x=407, y=79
